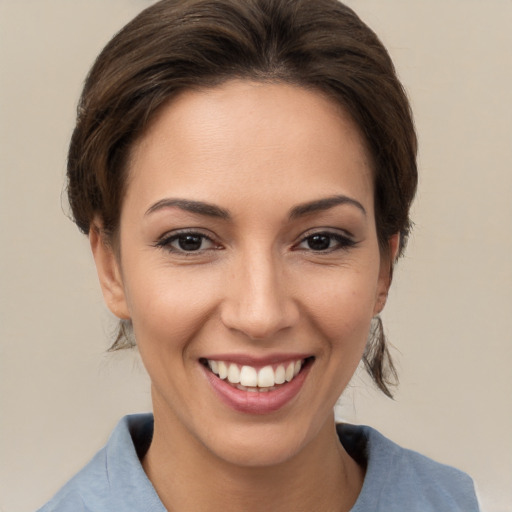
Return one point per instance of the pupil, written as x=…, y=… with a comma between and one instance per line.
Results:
x=190, y=242
x=319, y=242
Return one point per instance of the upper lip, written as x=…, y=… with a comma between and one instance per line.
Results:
x=258, y=361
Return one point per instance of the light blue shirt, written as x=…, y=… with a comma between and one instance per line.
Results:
x=397, y=480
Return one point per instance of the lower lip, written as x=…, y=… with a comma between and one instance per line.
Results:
x=256, y=402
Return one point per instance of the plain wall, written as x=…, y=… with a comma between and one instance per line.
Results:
x=449, y=310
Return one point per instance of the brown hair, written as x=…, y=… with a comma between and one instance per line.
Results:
x=181, y=44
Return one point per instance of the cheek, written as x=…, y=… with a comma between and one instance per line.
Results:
x=342, y=304
x=169, y=306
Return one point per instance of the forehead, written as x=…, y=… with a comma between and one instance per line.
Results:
x=243, y=139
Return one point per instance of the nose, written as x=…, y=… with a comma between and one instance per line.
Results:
x=258, y=298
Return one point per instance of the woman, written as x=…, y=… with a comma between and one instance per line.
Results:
x=244, y=172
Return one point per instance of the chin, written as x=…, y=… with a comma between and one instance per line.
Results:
x=264, y=447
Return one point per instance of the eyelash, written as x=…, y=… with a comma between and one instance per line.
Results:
x=343, y=242
x=166, y=242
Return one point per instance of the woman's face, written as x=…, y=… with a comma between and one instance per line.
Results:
x=248, y=253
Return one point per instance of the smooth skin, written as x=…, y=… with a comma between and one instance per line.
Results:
x=248, y=227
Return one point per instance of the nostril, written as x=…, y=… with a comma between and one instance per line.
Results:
x=257, y=302
x=259, y=321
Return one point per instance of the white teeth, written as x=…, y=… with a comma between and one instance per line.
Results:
x=266, y=378
x=280, y=376
x=223, y=370
x=290, y=369
x=248, y=376
x=233, y=374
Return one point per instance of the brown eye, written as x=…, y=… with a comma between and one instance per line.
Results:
x=326, y=242
x=186, y=243
x=189, y=242
x=319, y=242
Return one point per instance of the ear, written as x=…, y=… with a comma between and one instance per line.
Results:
x=109, y=273
x=387, y=261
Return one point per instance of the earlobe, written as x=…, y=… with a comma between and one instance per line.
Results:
x=387, y=262
x=109, y=273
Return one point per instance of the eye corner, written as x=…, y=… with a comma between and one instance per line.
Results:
x=187, y=243
x=325, y=241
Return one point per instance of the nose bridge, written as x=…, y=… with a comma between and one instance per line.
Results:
x=258, y=302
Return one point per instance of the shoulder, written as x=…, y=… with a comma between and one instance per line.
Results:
x=103, y=484
x=85, y=491
x=400, y=479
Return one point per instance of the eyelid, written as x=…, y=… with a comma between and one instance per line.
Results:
x=327, y=231
x=164, y=241
x=344, y=238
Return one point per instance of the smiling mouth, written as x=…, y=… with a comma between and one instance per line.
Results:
x=249, y=378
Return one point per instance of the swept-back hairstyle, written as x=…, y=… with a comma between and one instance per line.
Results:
x=176, y=45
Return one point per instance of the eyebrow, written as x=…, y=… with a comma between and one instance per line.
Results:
x=324, y=204
x=211, y=210
x=199, y=207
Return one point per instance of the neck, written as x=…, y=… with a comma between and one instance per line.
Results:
x=188, y=476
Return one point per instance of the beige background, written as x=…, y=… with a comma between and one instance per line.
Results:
x=449, y=313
